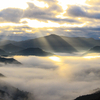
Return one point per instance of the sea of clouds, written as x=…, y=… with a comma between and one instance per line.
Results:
x=54, y=80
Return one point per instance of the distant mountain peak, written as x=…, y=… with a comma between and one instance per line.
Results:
x=33, y=51
x=53, y=35
x=51, y=43
x=10, y=44
x=95, y=49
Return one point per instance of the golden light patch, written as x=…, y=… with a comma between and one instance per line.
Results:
x=48, y=33
x=67, y=30
x=14, y=33
x=54, y=58
x=93, y=2
x=79, y=18
x=29, y=31
x=17, y=32
x=90, y=57
x=11, y=29
x=50, y=29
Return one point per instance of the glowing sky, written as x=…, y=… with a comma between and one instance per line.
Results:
x=62, y=17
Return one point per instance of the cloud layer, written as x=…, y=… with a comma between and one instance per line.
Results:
x=47, y=79
x=75, y=20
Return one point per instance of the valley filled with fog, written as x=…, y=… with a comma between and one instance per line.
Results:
x=54, y=77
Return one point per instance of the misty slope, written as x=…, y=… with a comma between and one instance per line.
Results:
x=94, y=96
x=60, y=43
x=95, y=49
x=56, y=43
x=2, y=52
x=33, y=51
x=15, y=37
x=11, y=48
x=49, y=43
x=81, y=43
x=7, y=92
x=8, y=61
x=4, y=42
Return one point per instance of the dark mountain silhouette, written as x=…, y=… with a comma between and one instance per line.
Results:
x=57, y=43
x=8, y=92
x=9, y=61
x=33, y=51
x=1, y=75
x=94, y=96
x=95, y=49
x=49, y=43
x=10, y=48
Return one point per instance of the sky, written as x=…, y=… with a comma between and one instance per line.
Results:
x=71, y=18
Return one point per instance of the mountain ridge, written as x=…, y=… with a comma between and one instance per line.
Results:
x=52, y=43
x=9, y=61
x=55, y=43
x=95, y=49
x=93, y=96
x=34, y=51
x=10, y=48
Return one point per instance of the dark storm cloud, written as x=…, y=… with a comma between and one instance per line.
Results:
x=77, y=11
